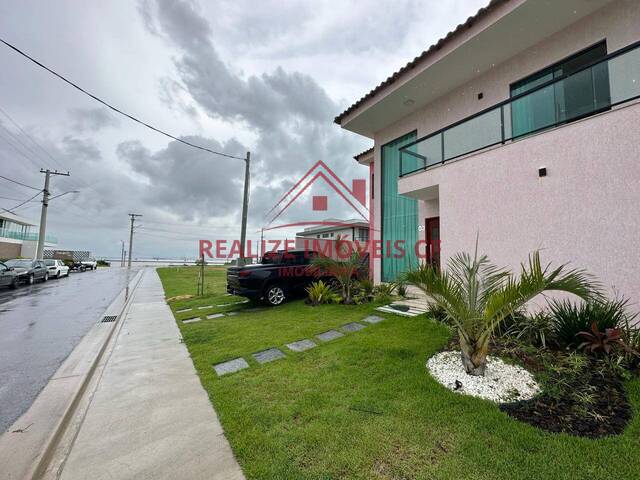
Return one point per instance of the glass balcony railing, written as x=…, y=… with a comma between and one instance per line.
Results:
x=4, y=233
x=593, y=89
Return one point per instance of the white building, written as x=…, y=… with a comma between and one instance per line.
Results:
x=19, y=237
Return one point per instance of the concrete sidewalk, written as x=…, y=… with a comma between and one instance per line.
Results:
x=149, y=416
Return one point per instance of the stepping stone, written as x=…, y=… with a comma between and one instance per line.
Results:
x=330, y=335
x=232, y=303
x=301, y=345
x=231, y=314
x=230, y=366
x=205, y=307
x=192, y=320
x=215, y=315
x=268, y=355
x=353, y=327
x=373, y=319
x=184, y=310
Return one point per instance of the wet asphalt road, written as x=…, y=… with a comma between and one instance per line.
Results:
x=39, y=327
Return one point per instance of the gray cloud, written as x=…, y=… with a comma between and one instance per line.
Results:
x=93, y=119
x=291, y=114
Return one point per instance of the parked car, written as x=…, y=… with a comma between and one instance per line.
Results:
x=90, y=264
x=56, y=268
x=78, y=266
x=29, y=271
x=280, y=275
x=8, y=276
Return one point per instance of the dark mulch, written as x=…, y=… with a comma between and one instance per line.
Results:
x=606, y=413
x=585, y=402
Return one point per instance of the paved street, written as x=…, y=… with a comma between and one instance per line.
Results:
x=40, y=325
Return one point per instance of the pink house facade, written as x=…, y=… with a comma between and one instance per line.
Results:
x=521, y=127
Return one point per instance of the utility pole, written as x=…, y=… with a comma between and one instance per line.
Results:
x=133, y=219
x=122, y=254
x=245, y=208
x=43, y=212
x=261, y=244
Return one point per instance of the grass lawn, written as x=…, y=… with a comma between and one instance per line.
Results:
x=363, y=406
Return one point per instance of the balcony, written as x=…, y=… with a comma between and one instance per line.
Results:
x=595, y=88
x=14, y=235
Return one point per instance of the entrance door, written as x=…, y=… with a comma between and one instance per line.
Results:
x=432, y=226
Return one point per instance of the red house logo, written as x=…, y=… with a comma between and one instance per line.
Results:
x=355, y=197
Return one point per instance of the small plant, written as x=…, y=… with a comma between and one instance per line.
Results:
x=343, y=271
x=321, y=293
x=569, y=319
x=598, y=342
x=438, y=313
x=478, y=296
x=401, y=289
x=383, y=293
x=536, y=329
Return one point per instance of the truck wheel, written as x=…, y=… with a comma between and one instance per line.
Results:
x=274, y=295
x=46, y=276
x=31, y=280
x=58, y=274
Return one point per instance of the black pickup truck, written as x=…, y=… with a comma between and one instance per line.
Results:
x=279, y=276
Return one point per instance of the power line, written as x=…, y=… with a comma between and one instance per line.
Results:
x=21, y=204
x=33, y=141
x=20, y=183
x=21, y=130
x=11, y=198
x=117, y=110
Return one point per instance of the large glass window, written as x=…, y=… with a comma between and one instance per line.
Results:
x=565, y=100
x=399, y=215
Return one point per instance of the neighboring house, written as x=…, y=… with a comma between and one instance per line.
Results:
x=522, y=126
x=333, y=228
x=19, y=237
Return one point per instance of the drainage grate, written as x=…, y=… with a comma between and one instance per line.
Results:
x=109, y=318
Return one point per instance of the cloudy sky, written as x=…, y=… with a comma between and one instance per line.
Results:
x=266, y=76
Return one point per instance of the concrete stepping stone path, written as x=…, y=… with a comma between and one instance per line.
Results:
x=373, y=319
x=215, y=315
x=352, y=327
x=182, y=310
x=301, y=346
x=330, y=335
x=269, y=355
x=231, y=366
x=192, y=320
x=205, y=307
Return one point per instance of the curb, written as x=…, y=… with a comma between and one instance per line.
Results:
x=28, y=445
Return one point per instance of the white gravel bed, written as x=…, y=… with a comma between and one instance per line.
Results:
x=501, y=382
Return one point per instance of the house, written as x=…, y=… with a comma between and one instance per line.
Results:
x=19, y=238
x=333, y=229
x=521, y=127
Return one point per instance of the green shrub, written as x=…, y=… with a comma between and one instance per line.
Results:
x=103, y=263
x=383, y=293
x=437, y=312
x=536, y=329
x=569, y=318
x=321, y=293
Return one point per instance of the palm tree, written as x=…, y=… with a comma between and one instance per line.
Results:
x=344, y=271
x=477, y=296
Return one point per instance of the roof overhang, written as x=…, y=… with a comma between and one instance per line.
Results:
x=16, y=219
x=473, y=49
x=364, y=158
